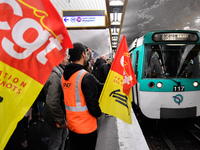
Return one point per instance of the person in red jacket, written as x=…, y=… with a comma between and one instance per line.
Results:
x=81, y=101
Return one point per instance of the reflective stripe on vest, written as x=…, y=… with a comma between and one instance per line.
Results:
x=77, y=95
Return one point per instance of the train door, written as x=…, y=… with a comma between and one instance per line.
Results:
x=135, y=88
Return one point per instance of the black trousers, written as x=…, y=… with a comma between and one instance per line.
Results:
x=82, y=141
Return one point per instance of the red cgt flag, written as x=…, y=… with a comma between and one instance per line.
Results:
x=123, y=66
x=116, y=97
x=33, y=36
x=33, y=40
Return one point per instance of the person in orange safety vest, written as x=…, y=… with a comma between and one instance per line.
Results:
x=81, y=101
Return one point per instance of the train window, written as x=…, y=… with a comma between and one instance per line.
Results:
x=172, y=61
x=131, y=55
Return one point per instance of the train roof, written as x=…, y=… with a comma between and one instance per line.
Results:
x=148, y=37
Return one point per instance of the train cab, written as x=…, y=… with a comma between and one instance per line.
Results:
x=166, y=64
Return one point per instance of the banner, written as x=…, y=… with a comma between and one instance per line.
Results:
x=116, y=97
x=33, y=40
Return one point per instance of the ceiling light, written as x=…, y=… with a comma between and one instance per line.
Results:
x=116, y=3
x=115, y=23
x=115, y=34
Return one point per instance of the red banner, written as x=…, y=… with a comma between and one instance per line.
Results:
x=33, y=40
x=116, y=98
x=123, y=66
x=33, y=37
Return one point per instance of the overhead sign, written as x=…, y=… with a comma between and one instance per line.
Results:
x=164, y=37
x=84, y=18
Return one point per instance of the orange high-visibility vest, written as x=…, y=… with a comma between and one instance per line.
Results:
x=79, y=119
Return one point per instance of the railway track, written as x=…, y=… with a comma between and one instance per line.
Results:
x=194, y=130
x=172, y=135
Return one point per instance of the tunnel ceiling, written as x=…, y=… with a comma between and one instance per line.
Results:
x=141, y=16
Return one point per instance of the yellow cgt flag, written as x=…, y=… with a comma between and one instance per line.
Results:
x=116, y=96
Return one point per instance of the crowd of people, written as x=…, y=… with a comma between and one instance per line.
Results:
x=68, y=103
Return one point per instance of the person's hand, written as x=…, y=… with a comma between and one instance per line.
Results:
x=64, y=125
x=89, y=50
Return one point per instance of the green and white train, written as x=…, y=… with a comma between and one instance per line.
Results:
x=167, y=68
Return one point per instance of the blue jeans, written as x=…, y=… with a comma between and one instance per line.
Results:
x=41, y=108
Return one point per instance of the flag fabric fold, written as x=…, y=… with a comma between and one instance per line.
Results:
x=33, y=41
x=116, y=96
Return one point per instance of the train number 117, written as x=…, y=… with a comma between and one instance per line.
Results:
x=179, y=88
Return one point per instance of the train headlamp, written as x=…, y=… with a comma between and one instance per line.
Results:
x=151, y=85
x=195, y=84
x=159, y=85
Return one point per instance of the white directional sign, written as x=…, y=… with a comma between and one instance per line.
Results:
x=80, y=19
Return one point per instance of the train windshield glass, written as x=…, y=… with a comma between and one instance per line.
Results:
x=172, y=61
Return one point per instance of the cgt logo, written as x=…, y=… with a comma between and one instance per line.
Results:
x=67, y=85
x=178, y=98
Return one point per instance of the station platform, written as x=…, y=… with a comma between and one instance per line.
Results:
x=113, y=134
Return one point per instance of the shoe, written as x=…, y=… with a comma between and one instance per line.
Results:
x=41, y=119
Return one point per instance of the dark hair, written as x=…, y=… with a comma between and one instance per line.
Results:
x=76, y=52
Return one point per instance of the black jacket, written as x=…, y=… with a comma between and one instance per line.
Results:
x=89, y=86
x=100, y=70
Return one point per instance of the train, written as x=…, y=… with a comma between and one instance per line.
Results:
x=167, y=68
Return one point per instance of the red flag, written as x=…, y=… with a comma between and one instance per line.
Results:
x=33, y=37
x=123, y=66
x=33, y=40
x=116, y=97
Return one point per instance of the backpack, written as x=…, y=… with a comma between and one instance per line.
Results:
x=101, y=72
x=48, y=114
x=96, y=72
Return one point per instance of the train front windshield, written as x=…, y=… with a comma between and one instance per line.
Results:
x=172, y=61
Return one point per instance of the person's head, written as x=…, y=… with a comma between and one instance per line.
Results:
x=108, y=61
x=77, y=54
x=103, y=57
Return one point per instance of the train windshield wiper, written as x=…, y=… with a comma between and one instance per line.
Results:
x=178, y=83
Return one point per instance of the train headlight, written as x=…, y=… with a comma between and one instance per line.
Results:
x=195, y=84
x=151, y=84
x=159, y=85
